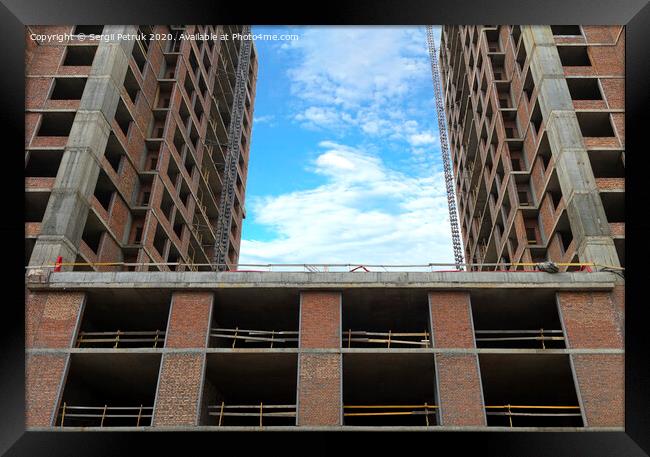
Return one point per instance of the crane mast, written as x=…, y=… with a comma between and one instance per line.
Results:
x=444, y=147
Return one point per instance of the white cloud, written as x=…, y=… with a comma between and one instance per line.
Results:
x=266, y=119
x=364, y=212
x=420, y=139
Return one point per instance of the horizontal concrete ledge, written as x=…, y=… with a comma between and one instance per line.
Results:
x=345, y=428
x=425, y=280
x=321, y=351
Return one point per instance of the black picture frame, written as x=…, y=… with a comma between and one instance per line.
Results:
x=635, y=14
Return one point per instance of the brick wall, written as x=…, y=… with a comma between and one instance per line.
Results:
x=179, y=389
x=592, y=319
x=182, y=373
x=320, y=320
x=51, y=318
x=601, y=380
x=43, y=376
x=319, y=396
x=451, y=319
x=459, y=390
x=189, y=320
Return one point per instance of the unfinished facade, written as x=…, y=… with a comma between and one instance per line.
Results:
x=129, y=145
x=300, y=351
x=537, y=136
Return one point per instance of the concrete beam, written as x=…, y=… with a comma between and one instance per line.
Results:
x=433, y=280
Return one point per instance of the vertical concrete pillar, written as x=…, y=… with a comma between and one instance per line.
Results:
x=594, y=320
x=587, y=217
x=51, y=322
x=67, y=210
x=182, y=372
x=319, y=371
x=460, y=395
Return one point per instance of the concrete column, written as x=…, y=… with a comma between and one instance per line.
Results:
x=460, y=394
x=320, y=370
x=67, y=209
x=585, y=210
x=182, y=372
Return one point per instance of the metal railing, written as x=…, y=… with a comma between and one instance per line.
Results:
x=358, y=337
x=532, y=411
x=284, y=337
x=154, y=339
x=511, y=336
x=259, y=410
x=426, y=410
x=141, y=415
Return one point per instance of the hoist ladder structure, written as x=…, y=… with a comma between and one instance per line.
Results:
x=444, y=148
x=232, y=153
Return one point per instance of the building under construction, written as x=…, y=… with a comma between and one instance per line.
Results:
x=126, y=336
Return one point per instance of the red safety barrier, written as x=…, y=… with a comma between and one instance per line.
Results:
x=57, y=265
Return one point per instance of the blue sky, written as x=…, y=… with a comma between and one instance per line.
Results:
x=345, y=159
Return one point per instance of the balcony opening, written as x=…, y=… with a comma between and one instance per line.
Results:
x=123, y=118
x=256, y=318
x=184, y=194
x=566, y=30
x=532, y=230
x=56, y=124
x=167, y=205
x=79, y=56
x=381, y=318
x=593, y=125
x=139, y=57
x=574, y=56
x=68, y=88
x=93, y=231
x=131, y=85
x=43, y=163
x=614, y=205
x=178, y=227
x=35, y=205
x=524, y=194
x=503, y=320
x=109, y=390
x=114, y=152
x=104, y=190
x=584, y=88
x=384, y=389
x=607, y=163
x=160, y=240
x=122, y=319
x=173, y=171
x=529, y=390
x=174, y=257
x=254, y=390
